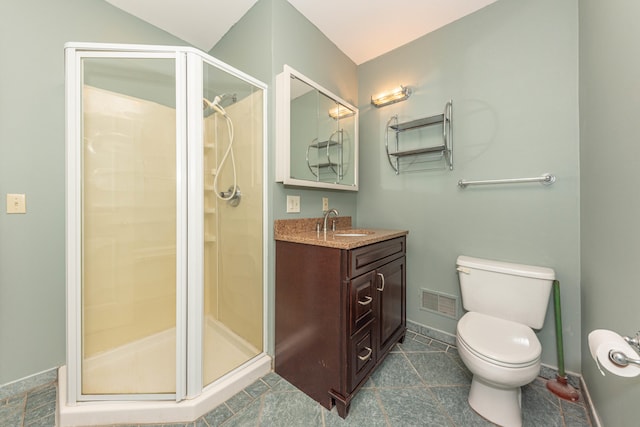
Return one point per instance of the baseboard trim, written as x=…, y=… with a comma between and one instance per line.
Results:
x=431, y=333
x=593, y=414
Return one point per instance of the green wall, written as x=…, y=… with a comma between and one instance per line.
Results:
x=296, y=42
x=32, y=161
x=511, y=70
x=273, y=33
x=610, y=207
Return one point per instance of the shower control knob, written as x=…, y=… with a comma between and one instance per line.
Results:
x=232, y=198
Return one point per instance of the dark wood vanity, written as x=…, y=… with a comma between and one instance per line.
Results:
x=340, y=308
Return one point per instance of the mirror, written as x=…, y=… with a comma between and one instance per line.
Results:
x=316, y=135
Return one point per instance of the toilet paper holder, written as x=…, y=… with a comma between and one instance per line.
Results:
x=620, y=359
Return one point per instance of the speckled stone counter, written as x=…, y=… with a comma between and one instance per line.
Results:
x=303, y=231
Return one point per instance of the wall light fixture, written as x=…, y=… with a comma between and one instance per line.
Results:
x=396, y=95
x=340, y=112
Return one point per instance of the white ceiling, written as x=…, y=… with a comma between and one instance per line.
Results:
x=362, y=29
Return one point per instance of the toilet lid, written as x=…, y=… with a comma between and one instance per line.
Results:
x=502, y=341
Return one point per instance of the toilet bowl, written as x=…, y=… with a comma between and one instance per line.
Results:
x=502, y=356
x=495, y=338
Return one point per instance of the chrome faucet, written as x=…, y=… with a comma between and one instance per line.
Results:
x=326, y=216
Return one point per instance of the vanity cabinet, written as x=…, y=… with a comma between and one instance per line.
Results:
x=338, y=314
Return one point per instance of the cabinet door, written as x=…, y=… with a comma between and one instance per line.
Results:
x=391, y=303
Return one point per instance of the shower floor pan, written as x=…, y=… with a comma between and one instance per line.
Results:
x=236, y=365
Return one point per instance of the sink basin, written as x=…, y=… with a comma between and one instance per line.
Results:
x=352, y=233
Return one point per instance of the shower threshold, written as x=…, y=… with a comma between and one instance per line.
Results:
x=167, y=412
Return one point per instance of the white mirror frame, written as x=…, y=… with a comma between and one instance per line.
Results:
x=283, y=132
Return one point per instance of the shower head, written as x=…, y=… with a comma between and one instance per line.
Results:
x=215, y=105
x=226, y=96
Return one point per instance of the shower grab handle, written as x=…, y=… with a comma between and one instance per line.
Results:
x=366, y=356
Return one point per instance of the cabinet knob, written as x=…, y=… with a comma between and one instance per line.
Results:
x=381, y=288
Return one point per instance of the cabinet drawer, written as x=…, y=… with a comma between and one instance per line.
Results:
x=363, y=357
x=361, y=300
x=373, y=256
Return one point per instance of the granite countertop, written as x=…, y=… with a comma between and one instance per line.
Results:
x=303, y=231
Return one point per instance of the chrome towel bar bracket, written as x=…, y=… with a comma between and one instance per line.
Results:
x=546, y=179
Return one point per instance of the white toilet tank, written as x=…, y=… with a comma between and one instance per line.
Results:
x=515, y=292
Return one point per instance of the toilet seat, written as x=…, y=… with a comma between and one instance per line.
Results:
x=498, y=341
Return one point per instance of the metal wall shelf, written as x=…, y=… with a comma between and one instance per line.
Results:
x=325, y=162
x=445, y=149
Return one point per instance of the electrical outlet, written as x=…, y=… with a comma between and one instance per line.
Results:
x=293, y=204
x=16, y=203
x=325, y=204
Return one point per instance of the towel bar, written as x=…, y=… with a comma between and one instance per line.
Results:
x=546, y=179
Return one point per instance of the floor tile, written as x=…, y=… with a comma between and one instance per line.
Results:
x=574, y=411
x=272, y=379
x=179, y=425
x=419, y=343
x=289, y=409
x=364, y=411
x=423, y=382
x=238, y=401
x=217, y=416
x=412, y=407
x=47, y=421
x=284, y=385
x=12, y=415
x=438, y=369
x=257, y=388
x=395, y=371
x=454, y=400
x=248, y=416
x=538, y=409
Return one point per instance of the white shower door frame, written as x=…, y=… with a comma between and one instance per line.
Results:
x=189, y=220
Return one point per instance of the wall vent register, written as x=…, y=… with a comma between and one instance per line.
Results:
x=443, y=304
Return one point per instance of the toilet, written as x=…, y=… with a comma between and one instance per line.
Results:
x=495, y=338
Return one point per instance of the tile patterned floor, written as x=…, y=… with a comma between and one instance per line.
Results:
x=421, y=383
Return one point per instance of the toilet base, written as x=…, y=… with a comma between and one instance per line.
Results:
x=501, y=406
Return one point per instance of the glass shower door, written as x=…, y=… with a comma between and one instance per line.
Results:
x=131, y=222
x=165, y=213
x=232, y=328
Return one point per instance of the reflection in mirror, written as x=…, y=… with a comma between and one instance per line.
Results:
x=318, y=135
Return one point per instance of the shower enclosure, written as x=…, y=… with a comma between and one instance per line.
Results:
x=165, y=233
